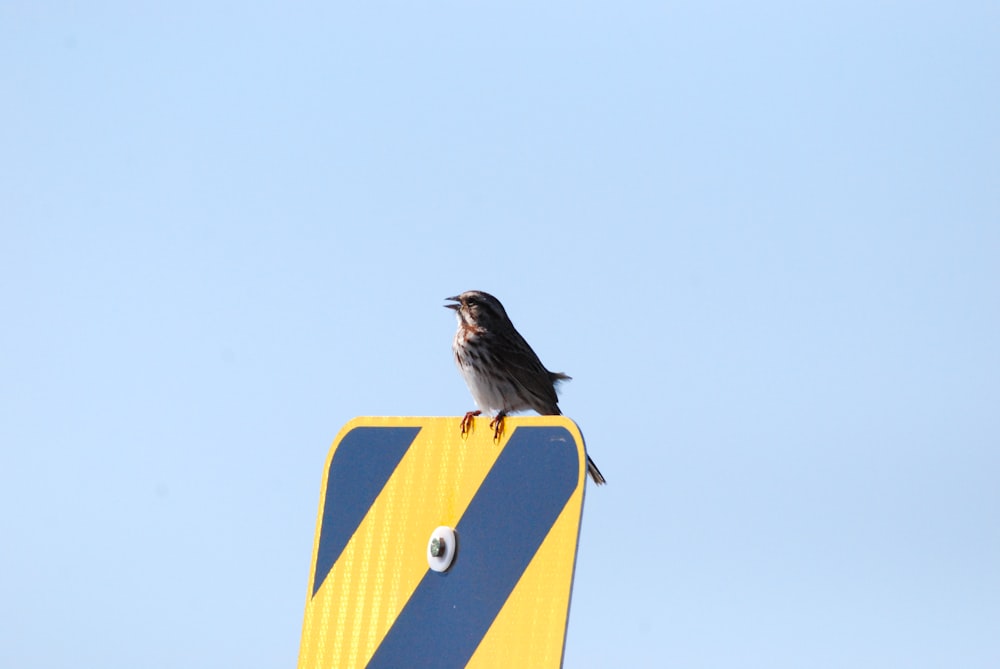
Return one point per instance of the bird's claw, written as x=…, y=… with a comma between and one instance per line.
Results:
x=466, y=423
x=497, y=425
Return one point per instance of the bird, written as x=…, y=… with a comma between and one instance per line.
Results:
x=502, y=371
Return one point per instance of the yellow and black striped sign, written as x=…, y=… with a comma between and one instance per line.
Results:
x=515, y=506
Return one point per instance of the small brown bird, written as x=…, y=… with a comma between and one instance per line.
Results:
x=501, y=370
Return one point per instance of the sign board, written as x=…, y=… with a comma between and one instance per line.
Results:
x=515, y=506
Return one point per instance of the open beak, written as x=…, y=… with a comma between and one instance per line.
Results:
x=457, y=306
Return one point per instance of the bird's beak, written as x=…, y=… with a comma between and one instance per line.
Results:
x=456, y=307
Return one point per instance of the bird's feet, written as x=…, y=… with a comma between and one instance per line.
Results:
x=497, y=425
x=466, y=423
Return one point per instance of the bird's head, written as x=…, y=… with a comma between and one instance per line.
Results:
x=477, y=309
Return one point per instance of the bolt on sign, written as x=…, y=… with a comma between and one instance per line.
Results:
x=438, y=550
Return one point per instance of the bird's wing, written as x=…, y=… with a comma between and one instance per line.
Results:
x=534, y=382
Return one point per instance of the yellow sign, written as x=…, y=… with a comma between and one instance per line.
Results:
x=391, y=585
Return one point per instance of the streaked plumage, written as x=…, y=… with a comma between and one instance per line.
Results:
x=502, y=371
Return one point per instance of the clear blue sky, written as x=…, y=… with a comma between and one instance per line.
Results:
x=764, y=240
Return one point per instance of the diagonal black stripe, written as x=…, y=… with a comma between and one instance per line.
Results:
x=363, y=462
x=448, y=614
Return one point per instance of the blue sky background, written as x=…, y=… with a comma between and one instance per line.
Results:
x=764, y=240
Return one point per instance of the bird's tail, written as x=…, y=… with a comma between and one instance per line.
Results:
x=594, y=472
